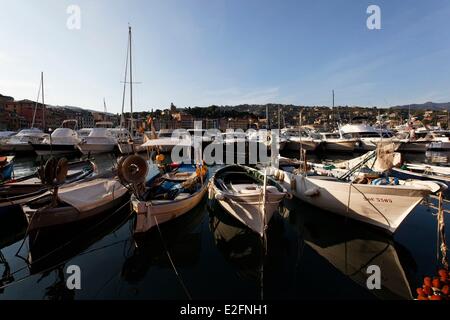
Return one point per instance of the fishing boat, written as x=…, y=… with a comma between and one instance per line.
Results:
x=99, y=140
x=24, y=189
x=6, y=168
x=166, y=195
x=63, y=140
x=423, y=172
x=380, y=201
x=246, y=194
x=75, y=202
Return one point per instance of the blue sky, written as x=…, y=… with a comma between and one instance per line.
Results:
x=202, y=52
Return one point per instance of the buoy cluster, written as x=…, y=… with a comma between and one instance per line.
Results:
x=436, y=288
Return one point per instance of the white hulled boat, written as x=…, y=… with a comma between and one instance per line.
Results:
x=63, y=140
x=100, y=140
x=21, y=142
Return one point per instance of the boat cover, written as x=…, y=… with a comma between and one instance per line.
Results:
x=91, y=194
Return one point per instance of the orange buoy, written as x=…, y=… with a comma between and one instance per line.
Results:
x=445, y=290
x=443, y=273
x=427, y=281
x=427, y=290
x=436, y=283
x=435, y=297
x=422, y=298
x=420, y=292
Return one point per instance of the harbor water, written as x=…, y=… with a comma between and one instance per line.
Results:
x=310, y=254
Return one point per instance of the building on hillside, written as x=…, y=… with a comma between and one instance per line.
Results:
x=27, y=111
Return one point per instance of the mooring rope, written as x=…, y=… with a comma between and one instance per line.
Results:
x=180, y=279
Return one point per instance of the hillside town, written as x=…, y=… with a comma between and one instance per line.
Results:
x=19, y=114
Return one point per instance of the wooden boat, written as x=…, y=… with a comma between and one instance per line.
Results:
x=423, y=172
x=166, y=195
x=75, y=202
x=382, y=202
x=6, y=168
x=239, y=190
x=22, y=190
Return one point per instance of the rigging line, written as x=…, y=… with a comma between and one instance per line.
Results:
x=75, y=238
x=376, y=209
x=171, y=261
x=36, y=104
x=125, y=82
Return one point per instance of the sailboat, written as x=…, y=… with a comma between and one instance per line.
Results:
x=21, y=142
x=132, y=143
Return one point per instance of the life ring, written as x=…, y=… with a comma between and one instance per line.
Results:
x=133, y=169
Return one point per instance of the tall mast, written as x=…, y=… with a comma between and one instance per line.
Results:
x=267, y=117
x=332, y=109
x=131, y=82
x=43, y=102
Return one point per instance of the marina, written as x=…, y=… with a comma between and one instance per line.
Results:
x=225, y=158
x=308, y=253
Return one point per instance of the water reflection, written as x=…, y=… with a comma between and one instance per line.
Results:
x=181, y=237
x=50, y=249
x=351, y=247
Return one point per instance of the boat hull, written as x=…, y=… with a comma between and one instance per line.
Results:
x=18, y=147
x=44, y=149
x=150, y=214
x=340, y=146
x=306, y=145
x=96, y=148
x=381, y=206
x=438, y=145
x=414, y=146
x=67, y=215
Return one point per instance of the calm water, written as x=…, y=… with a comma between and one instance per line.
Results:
x=311, y=254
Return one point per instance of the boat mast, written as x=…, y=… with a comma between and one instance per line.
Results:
x=267, y=117
x=332, y=109
x=131, y=84
x=43, y=102
x=122, y=118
